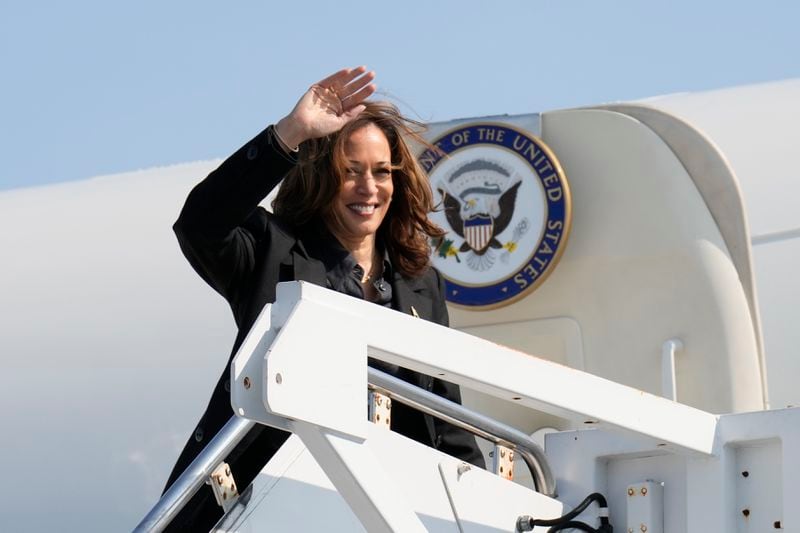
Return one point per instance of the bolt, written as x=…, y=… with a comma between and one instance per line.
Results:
x=246, y=382
x=227, y=471
x=502, y=453
x=278, y=378
x=379, y=400
x=630, y=530
x=630, y=492
x=643, y=528
x=388, y=403
x=219, y=480
x=510, y=456
x=644, y=491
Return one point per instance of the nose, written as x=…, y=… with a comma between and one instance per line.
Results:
x=367, y=184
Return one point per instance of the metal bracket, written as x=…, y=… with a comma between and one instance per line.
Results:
x=223, y=486
x=380, y=409
x=645, y=513
x=503, y=461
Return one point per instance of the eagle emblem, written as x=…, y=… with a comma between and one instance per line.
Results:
x=479, y=199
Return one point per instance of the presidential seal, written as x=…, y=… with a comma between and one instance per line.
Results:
x=506, y=210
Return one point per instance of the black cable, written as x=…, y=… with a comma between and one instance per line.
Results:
x=527, y=523
x=581, y=507
x=572, y=525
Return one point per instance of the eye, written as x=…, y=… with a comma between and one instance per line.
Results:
x=383, y=173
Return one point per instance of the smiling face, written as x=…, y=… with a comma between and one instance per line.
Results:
x=366, y=191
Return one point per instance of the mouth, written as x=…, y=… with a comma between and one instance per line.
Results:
x=362, y=209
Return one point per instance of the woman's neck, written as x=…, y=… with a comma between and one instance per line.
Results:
x=362, y=250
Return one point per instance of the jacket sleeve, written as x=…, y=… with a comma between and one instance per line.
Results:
x=221, y=227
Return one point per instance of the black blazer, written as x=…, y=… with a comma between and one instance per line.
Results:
x=243, y=252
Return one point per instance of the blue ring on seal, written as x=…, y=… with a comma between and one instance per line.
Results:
x=556, y=214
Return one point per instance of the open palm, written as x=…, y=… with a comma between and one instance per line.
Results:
x=328, y=105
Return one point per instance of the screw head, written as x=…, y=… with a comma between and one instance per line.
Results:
x=630, y=492
x=246, y=382
x=278, y=378
x=643, y=528
x=644, y=491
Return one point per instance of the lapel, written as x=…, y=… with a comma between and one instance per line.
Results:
x=285, y=251
x=411, y=297
x=306, y=268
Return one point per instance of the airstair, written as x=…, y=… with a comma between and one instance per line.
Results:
x=661, y=466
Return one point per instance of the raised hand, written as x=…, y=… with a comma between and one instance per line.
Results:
x=327, y=106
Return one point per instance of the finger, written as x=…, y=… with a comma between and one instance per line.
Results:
x=334, y=77
x=342, y=77
x=355, y=99
x=357, y=84
x=353, y=112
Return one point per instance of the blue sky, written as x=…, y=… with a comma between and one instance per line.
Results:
x=93, y=88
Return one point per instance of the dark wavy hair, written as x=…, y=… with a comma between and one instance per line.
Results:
x=307, y=194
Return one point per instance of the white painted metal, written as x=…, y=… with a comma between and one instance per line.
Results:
x=294, y=492
x=645, y=507
x=716, y=183
x=362, y=329
x=759, y=486
x=663, y=250
x=700, y=493
x=669, y=388
x=756, y=136
x=280, y=496
x=702, y=478
x=484, y=503
x=332, y=395
x=361, y=480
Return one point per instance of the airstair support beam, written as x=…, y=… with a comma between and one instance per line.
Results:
x=321, y=375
